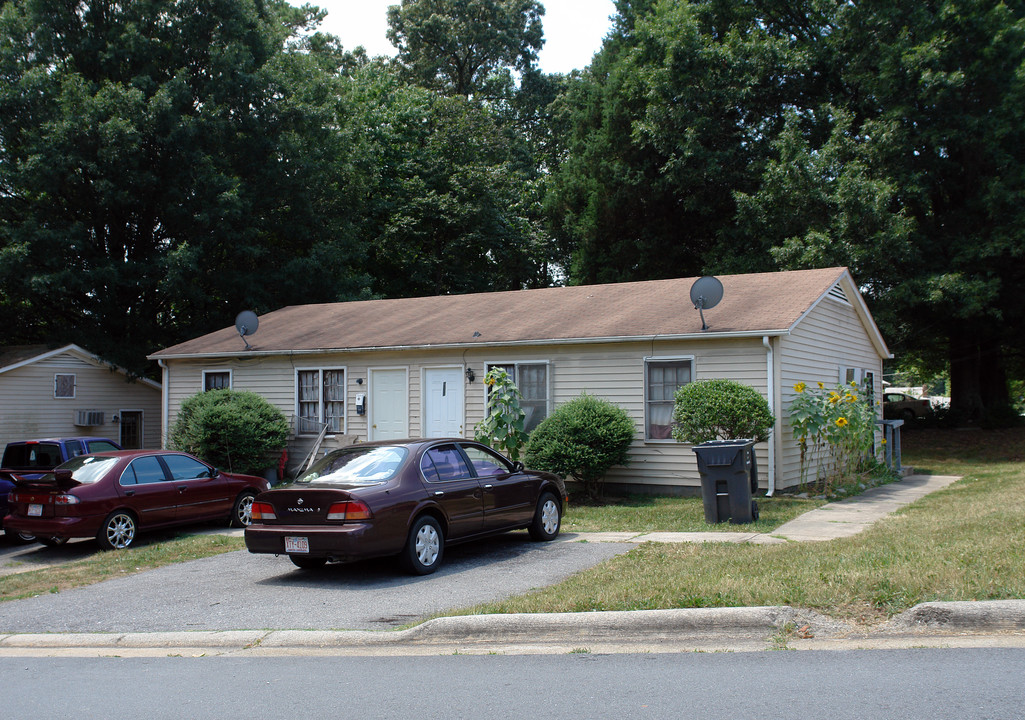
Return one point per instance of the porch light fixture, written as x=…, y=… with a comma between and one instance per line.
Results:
x=470, y=374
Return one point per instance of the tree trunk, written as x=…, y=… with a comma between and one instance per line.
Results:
x=978, y=383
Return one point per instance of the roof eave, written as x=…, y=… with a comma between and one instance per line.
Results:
x=469, y=345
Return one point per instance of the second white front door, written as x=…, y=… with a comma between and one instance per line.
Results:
x=388, y=413
x=443, y=402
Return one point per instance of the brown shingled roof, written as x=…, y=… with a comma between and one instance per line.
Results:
x=752, y=303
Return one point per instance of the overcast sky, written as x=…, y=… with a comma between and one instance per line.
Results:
x=574, y=29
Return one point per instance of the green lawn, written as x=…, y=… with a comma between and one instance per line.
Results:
x=673, y=514
x=962, y=543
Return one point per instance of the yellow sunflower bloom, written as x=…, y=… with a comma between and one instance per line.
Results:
x=821, y=386
x=799, y=387
x=834, y=397
x=841, y=422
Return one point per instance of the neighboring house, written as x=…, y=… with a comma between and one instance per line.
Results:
x=381, y=369
x=69, y=392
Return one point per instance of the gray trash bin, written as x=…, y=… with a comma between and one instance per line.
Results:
x=729, y=476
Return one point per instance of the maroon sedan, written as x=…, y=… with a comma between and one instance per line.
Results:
x=112, y=495
x=408, y=498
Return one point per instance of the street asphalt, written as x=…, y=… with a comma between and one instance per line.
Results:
x=256, y=604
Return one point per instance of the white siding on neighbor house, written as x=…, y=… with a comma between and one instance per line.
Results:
x=30, y=410
x=830, y=337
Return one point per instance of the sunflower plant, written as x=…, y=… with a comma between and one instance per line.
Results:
x=834, y=428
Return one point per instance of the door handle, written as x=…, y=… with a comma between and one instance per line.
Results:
x=183, y=488
x=487, y=487
x=129, y=493
x=439, y=493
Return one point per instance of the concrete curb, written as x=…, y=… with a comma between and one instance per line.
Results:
x=743, y=628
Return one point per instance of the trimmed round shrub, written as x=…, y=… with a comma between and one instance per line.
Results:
x=720, y=410
x=582, y=439
x=232, y=429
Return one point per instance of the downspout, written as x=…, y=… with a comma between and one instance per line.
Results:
x=771, y=392
x=165, y=373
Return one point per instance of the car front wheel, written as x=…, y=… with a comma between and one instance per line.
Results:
x=547, y=518
x=242, y=512
x=117, y=531
x=425, y=546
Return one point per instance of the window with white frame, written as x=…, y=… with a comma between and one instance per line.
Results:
x=320, y=400
x=662, y=378
x=64, y=385
x=862, y=378
x=532, y=380
x=216, y=380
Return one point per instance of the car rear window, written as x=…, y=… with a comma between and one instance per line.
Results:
x=34, y=455
x=87, y=469
x=359, y=466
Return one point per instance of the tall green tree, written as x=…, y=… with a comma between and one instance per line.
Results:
x=713, y=136
x=673, y=117
x=455, y=45
x=913, y=175
x=164, y=164
x=446, y=210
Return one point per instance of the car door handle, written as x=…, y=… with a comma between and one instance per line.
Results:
x=183, y=488
x=129, y=493
x=439, y=493
x=488, y=487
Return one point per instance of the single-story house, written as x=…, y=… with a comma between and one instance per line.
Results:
x=69, y=392
x=413, y=367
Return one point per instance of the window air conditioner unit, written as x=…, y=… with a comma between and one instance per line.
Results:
x=88, y=418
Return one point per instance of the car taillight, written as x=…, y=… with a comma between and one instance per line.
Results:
x=263, y=511
x=349, y=510
x=65, y=500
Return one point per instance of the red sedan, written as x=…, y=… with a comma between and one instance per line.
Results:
x=409, y=498
x=113, y=495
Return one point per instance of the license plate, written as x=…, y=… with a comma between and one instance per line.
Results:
x=35, y=510
x=297, y=544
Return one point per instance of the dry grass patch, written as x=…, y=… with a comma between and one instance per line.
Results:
x=116, y=563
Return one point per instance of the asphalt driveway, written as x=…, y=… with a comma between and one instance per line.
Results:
x=238, y=590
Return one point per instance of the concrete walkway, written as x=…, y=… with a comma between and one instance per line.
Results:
x=828, y=522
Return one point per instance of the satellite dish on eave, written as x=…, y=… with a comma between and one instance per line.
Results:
x=705, y=293
x=247, y=323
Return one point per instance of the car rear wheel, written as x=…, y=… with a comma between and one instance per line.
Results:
x=547, y=518
x=117, y=531
x=17, y=537
x=425, y=546
x=308, y=563
x=242, y=512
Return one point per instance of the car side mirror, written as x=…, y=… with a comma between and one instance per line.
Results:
x=517, y=466
x=214, y=472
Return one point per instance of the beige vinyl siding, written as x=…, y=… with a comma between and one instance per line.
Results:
x=31, y=411
x=613, y=371
x=829, y=337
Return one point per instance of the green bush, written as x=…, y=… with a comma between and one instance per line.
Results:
x=582, y=439
x=233, y=429
x=720, y=410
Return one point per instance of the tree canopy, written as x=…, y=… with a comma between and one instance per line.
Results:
x=455, y=45
x=884, y=136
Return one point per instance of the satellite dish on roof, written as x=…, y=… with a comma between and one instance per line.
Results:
x=706, y=292
x=247, y=323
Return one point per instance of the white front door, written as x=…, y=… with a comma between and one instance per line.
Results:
x=388, y=414
x=443, y=402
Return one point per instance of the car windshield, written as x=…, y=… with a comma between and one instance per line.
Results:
x=87, y=469
x=356, y=466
